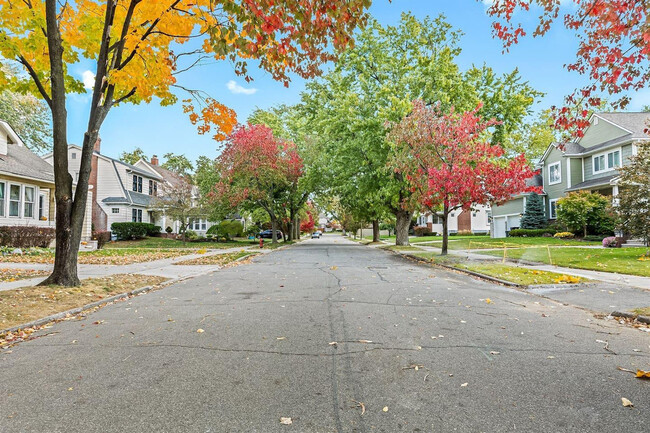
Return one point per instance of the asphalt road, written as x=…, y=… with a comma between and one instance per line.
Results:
x=514, y=363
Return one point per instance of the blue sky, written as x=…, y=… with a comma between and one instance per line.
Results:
x=158, y=130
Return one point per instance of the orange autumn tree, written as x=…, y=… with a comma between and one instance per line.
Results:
x=141, y=48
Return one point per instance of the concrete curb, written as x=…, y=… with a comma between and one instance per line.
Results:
x=109, y=300
x=75, y=311
x=462, y=271
x=637, y=317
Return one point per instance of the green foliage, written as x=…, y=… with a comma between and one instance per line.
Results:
x=179, y=164
x=130, y=230
x=634, y=192
x=585, y=212
x=534, y=215
x=530, y=233
x=533, y=137
x=227, y=229
x=134, y=156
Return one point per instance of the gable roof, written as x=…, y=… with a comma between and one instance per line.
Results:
x=633, y=123
x=22, y=162
x=174, y=179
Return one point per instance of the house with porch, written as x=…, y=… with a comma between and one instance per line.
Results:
x=27, y=186
x=589, y=164
x=475, y=220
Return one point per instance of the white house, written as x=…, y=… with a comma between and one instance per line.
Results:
x=123, y=192
x=476, y=220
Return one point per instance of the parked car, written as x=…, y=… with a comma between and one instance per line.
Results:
x=266, y=234
x=315, y=235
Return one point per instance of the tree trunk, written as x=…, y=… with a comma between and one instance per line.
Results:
x=297, y=228
x=375, y=230
x=445, y=232
x=274, y=227
x=584, y=230
x=290, y=229
x=402, y=223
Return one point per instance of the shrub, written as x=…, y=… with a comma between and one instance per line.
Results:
x=191, y=234
x=169, y=230
x=422, y=231
x=534, y=216
x=129, y=230
x=594, y=238
x=26, y=236
x=152, y=229
x=564, y=235
x=530, y=233
x=465, y=233
x=102, y=237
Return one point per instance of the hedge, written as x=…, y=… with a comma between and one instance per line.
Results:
x=128, y=231
x=531, y=233
x=26, y=236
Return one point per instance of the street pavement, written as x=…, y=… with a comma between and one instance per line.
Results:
x=329, y=334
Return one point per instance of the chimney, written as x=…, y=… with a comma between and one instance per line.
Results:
x=154, y=160
x=98, y=145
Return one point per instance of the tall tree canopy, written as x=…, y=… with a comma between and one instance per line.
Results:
x=133, y=156
x=373, y=83
x=140, y=49
x=613, y=47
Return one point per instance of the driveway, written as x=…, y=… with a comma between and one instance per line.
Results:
x=339, y=338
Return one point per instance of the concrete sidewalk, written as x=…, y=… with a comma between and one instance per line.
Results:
x=163, y=268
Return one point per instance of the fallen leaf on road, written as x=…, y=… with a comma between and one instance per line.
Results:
x=365, y=341
x=281, y=338
x=641, y=374
x=626, y=402
x=385, y=409
x=550, y=357
x=70, y=389
x=494, y=352
x=333, y=343
x=98, y=322
x=200, y=331
x=464, y=385
x=488, y=301
x=334, y=268
x=286, y=420
x=170, y=320
x=361, y=405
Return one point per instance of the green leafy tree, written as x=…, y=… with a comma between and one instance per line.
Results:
x=373, y=85
x=134, y=156
x=584, y=212
x=533, y=137
x=634, y=196
x=534, y=215
x=179, y=164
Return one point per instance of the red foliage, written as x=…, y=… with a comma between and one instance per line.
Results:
x=448, y=163
x=613, y=51
x=254, y=166
x=308, y=225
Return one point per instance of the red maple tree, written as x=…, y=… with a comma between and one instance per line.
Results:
x=613, y=51
x=308, y=225
x=450, y=164
x=255, y=169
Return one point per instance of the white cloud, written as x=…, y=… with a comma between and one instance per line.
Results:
x=89, y=79
x=236, y=88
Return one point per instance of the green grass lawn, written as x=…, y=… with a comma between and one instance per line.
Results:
x=505, y=272
x=401, y=248
x=621, y=260
x=485, y=242
x=172, y=243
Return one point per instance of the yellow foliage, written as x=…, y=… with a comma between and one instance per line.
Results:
x=568, y=279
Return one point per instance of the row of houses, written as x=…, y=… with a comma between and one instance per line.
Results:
x=118, y=192
x=589, y=164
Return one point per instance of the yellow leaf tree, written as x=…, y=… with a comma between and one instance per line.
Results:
x=140, y=48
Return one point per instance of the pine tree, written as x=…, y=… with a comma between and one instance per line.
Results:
x=534, y=215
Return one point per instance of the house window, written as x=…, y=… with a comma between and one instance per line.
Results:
x=553, y=209
x=136, y=215
x=153, y=187
x=607, y=161
x=73, y=155
x=14, y=200
x=137, y=183
x=200, y=224
x=115, y=210
x=554, y=173
x=41, y=206
x=2, y=199
x=28, y=206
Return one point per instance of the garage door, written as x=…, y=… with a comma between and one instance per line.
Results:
x=499, y=227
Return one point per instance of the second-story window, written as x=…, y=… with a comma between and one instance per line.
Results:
x=607, y=161
x=137, y=183
x=153, y=187
x=554, y=174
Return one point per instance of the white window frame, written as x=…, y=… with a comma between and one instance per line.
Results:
x=25, y=202
x=606, y=166
x=3, y=199
x=20, y=194
x=559, y=170
x=113, y=209
x=550, y=209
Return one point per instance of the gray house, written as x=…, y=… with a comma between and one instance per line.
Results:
x=590, y=164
